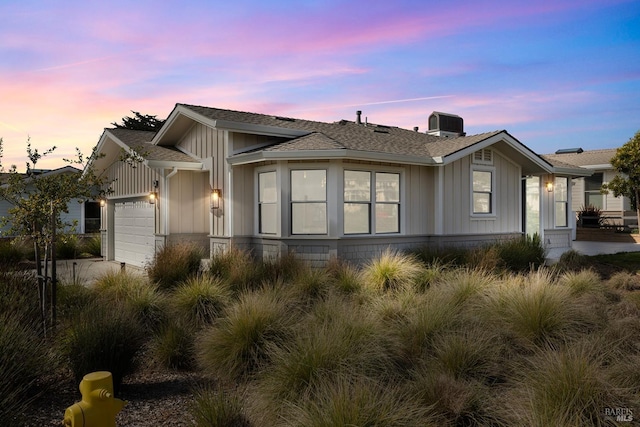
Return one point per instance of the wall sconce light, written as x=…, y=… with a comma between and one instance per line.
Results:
x=103, y=203
x=549, y=186
x=153, y=195
x=216, y=195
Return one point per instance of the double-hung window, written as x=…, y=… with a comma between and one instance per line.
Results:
x=482, y=183
x=309, y=201
x=561, y=201
x=360, y=202
x=267, y=203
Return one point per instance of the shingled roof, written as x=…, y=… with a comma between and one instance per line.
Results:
x=347, y=135
x=140, y=142
x=584, y=158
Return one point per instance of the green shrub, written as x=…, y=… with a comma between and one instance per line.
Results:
x=24, y=362
x=215, y=407
x=281, y=269
x=10, y=254
x=104, y=338
x=174, y=263
x=92, y=245
x=19, y=295
x=68, y=246
x=236, y=345
x=522, y=255
x=199, y=300
x=391, y=271
x=572, y=260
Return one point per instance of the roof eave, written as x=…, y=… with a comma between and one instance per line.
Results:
x=572, y=171
x=260, y=156
x=168, y=164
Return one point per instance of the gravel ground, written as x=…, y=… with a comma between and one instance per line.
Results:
x=153, y=399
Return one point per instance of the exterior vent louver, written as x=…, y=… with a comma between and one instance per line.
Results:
x=484, y=157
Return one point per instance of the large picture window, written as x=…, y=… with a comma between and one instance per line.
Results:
x=360, y=202
x=561, y=201
x=482, y=192
x=267, y=203
x=309, y=201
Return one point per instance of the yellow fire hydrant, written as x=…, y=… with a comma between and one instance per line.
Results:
x=98, y=407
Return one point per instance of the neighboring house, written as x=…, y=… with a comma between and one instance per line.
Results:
x=86, y=214
x=347, y=189
x=586, y=190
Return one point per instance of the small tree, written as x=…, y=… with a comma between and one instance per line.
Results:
x=627, y=163
x=37, y=200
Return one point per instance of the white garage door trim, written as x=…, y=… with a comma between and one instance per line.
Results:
x=134, y=238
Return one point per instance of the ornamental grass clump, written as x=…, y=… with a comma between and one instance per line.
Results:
x=336, y=340
x=236, y=345
x=464, y=285
x=103, y=338
x=623, y=280
x=237, y=268
x=216, y=407
x=199, y=300
x=173, y=347
x=522, y=255
x=391, y=271
x=25, y=360
x=358, y=401
x=582, y=282
x=566, y=387
x=174, y=263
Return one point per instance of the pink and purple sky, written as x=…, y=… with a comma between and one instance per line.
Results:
x=555, y=74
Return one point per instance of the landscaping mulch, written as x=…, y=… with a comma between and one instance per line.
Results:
x=154, y=398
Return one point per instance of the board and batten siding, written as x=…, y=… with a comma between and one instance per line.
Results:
x=457, y=212
x=189, y=203
x=205, y=142
x=126, y=180
x=419, y=199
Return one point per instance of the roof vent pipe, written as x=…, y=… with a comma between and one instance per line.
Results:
x=415, y=128
x=359, y=117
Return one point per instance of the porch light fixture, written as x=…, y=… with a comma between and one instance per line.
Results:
x=549, y=186
x=153, y=196
x=103, y=203
x=216, y=195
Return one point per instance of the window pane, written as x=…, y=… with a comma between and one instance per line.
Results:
x=268, y=218
x=357, y=186
x=308, y=185
x=309, y=218
x=482, y=181
x=267, y=183
x=481, y=203
x=594, y=199
x=387, y=187
x=593, y=182
x=387, y=218
x=561, y=214
x=356, y=218
x=560, y=189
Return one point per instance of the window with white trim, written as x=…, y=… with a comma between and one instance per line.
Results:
x=267, y=203
x=309, y=201
x=560, y=194
x=360, y=202
x=482, y=198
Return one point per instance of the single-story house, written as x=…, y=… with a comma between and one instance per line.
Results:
x=347, y=189
x=585, y=191
x=82, y=216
